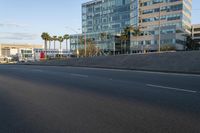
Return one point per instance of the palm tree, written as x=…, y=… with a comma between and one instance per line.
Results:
x=60, y=39
x=128, y=30
x=45, y=37
x=136, y=32
x=123, y=39
x=66, y=37
x=50, y=39
x=103, y=36
x=55, y=39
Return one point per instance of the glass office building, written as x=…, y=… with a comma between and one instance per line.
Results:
x=75, y=42
x=170, y=18
x=105, y=16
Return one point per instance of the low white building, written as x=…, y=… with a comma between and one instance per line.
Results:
x=27, y=52
x=51, y=53
x=18, y=51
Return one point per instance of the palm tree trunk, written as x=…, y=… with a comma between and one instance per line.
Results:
x=54, y=45
x=66, y=45
x=137, y=41
x=49, y=45
x=60, y=50
x=121, y=46
x=54, y=49
x=45, y=48
x=125, y=48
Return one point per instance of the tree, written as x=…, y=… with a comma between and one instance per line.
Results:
x=81, y=40
x=92, y=50
x=60, y=39
x=126, y=35
x=128, y=30
x=168, y=48
x=136, y=32
x=45, y=37
x=50, y=39
x=191, y=44
x=123, y=39
x=66, y=37
x=104, y=37
x=55, y=39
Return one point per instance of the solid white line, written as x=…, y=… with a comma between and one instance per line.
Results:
x=139, y=71
x=79, y=75
x=171, y=88
x=168, y=73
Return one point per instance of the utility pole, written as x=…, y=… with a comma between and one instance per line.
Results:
x=77, y=49
x=159, y=29
x=113, y=38
x=85, y=41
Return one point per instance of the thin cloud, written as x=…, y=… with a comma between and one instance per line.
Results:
x=18, y=36
x=13, y=25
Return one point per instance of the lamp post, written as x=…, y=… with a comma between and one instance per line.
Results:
x=159, y=29
x=85, y=42
x=77, y=49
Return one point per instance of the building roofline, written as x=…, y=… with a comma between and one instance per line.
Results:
x=91, y=2
x=195, y=25
x=22, y=44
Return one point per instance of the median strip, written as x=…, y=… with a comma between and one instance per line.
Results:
x=171, y=88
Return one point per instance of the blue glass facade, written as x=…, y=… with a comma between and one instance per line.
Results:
x=106, y=16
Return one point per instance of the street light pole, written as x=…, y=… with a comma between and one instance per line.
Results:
x=77, y=50
x=85, y=43
x=112, y=37
x=159, y=29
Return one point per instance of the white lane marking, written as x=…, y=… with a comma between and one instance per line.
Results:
x=139, y=71
x=79, y=75
x=13, y=68
x=165, y=73
x=37, y=70
x=171, y=88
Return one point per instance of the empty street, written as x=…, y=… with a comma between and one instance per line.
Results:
x=44, y=99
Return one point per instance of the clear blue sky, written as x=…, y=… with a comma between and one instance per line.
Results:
x=23, y=21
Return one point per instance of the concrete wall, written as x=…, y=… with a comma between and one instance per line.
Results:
x=186, y=62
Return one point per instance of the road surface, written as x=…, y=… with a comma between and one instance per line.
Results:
x=42, y=99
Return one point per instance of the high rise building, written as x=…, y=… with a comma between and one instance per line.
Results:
x=163, y=22
x=103, y=19
x=159, y=22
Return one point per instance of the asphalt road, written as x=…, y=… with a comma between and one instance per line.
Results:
x=42, y=99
